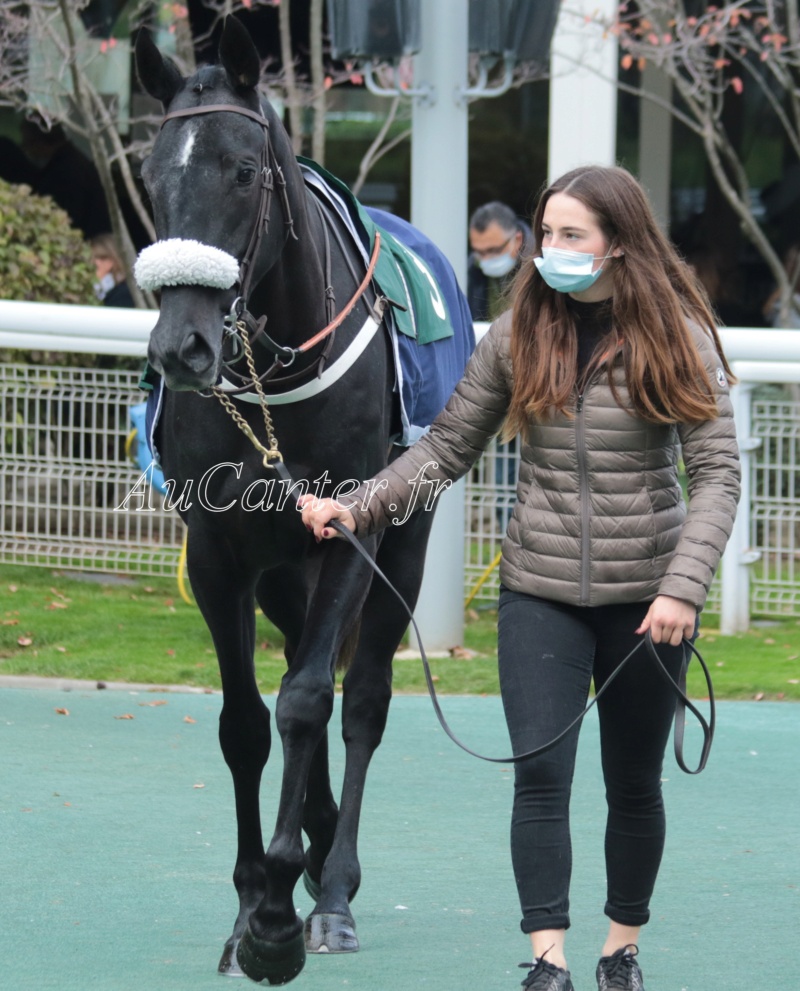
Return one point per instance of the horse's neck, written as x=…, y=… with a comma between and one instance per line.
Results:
x=292, y=294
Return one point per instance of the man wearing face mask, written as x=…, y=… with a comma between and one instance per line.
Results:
x=498, y=240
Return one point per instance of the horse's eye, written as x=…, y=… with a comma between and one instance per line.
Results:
x=245, y=176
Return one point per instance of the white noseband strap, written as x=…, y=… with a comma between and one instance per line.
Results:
x=177, y=262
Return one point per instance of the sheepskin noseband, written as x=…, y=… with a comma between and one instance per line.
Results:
x=178, y=262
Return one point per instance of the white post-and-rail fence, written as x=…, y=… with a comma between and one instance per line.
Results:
x=64, y=470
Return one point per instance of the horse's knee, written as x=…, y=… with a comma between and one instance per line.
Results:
x=304, y=707
x=364, y=713
x=245, y=736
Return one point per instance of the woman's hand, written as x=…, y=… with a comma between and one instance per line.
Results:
x=669, y=620
x=318, y=512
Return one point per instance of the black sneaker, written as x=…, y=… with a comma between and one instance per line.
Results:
x=546, y=976
x=620, y=972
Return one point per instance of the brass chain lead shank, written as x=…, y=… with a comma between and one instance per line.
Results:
x=272, y=453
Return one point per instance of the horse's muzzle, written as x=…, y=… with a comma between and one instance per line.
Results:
x=191, y=366
x=186, y=342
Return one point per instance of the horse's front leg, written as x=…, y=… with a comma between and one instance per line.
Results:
x=244, y=725
x=367, y=691
x=272, y=948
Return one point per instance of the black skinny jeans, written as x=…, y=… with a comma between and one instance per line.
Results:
x=548, y=654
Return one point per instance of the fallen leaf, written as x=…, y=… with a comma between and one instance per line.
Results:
x=188, y=719
x=170, y=652
x=769, y=640
x=62, y=712
x=461, y=653
x=56, y=605
x=10, y=622
x=758, y=696
x=199, y=785
x=24, y=641
x=12, y=588
x=60, y=649
x=153, y=704
x=125, y=715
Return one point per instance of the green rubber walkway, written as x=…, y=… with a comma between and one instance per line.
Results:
x=117, y=846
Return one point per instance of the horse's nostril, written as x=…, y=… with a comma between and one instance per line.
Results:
x=196, y=352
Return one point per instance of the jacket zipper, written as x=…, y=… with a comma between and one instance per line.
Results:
x=584, y=499
x=583, y=478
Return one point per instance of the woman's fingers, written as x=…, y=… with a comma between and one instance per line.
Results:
x=317, y=513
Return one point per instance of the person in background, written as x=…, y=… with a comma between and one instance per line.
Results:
x=111, y=286
x=499, y=241
x=608, y=365
x=64, y=173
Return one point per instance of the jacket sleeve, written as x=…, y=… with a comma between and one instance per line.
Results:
x=473, y=415
x=711, y=458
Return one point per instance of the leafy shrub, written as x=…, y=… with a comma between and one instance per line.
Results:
x=42, y=258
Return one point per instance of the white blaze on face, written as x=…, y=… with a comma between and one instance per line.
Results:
x=185, y=153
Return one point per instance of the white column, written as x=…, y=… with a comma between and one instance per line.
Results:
x=583, y=94
x=655, y=142
x=439, y=209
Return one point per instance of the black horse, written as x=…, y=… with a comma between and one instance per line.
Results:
x=228, y=193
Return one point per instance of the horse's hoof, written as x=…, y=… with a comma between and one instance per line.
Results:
x=314, y=888
x=228, y=964
x=330, y=933
x=266, y=962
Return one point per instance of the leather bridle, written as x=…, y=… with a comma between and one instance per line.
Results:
x=240, y=319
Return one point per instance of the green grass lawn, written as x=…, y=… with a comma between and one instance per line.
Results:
x=57, y=624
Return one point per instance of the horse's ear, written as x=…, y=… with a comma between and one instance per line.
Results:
x=239, y=55
x=159, y=76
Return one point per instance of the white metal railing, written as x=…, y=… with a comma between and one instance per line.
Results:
x=55, y=479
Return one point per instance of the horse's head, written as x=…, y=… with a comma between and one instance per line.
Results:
x=205, y=179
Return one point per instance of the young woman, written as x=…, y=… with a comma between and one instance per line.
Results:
x=608, y=367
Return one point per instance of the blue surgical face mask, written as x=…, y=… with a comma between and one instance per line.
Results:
x=497, y=267
x=568, y=271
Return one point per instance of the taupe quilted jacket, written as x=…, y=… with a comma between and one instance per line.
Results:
x=600, y=517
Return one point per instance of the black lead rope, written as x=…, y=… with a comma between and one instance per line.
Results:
x=678, y=687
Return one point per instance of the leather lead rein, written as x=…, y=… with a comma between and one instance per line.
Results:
x=678, y=687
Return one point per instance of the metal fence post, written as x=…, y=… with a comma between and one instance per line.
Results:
x=735, y=602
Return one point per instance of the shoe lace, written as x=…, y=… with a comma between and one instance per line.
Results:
x=541, y=975
x=619, y=967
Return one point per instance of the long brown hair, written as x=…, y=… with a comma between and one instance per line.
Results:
x=654, y=293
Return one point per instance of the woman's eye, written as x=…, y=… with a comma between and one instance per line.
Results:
x=245, y=176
